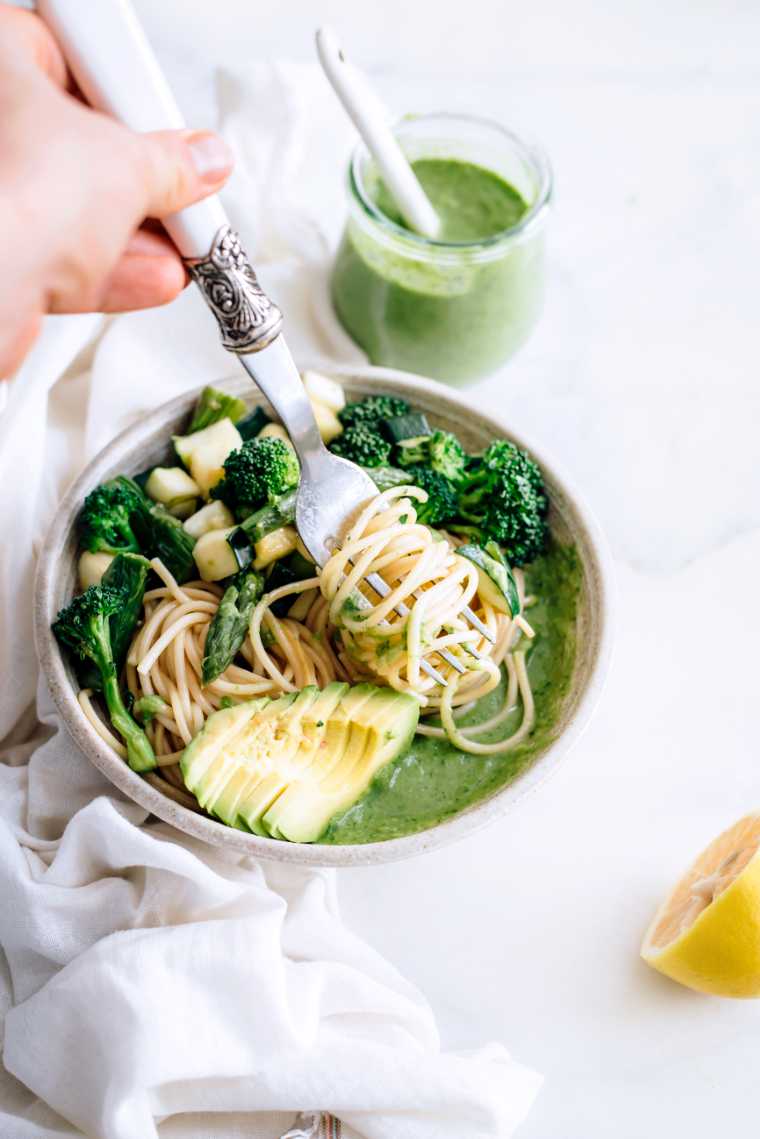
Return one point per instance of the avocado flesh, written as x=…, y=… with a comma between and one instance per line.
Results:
x=293, y=810
x=252, y=787
x=340, y=728
x=383, y=727
x=283, y=767
x=198, y=762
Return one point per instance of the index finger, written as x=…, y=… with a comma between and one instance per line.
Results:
x=29, y=36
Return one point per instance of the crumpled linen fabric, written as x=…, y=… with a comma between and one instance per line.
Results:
x=151, y=985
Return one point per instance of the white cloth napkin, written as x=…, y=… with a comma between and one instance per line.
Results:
x=154, y=986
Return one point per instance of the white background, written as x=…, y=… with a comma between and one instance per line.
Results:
x=643, y=380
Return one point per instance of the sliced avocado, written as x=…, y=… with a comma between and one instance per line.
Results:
x=375, y=724
x=218, y=729
x=323, y=735
x=379, y=729
x=317, y=723
x=496, y=585
x=231, y=795
x=342, y=743
x=283, y=767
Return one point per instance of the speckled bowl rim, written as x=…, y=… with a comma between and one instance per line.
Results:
x=582, y=699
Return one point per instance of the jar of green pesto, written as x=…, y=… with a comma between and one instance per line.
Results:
x=456, y=307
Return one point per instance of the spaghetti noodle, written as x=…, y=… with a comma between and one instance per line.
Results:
x=337, y=628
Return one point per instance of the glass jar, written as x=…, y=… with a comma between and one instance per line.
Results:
x=454, y=310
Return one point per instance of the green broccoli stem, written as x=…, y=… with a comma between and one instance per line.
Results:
x=473, y=532
x=140, y=754
x=130, y=544
x=271, y=517
x=469, y=501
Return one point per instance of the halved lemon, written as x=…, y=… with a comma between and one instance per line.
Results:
x=707, y=932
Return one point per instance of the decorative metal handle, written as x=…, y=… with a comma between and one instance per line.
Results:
x=314, y=1125
x=248, y=320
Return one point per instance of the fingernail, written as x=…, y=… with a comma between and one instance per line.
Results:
x=211, y=156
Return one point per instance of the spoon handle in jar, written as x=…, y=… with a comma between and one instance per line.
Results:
x=368, y=117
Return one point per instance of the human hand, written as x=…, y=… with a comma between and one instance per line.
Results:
x=75, y=190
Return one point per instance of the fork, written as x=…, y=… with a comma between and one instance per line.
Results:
x=115, y=68
x=314, y=1125
x=331, y=487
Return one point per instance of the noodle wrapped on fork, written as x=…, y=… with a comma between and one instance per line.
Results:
x=424, y=574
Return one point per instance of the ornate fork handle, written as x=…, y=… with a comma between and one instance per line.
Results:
x=248, y=320
x=314, y=1125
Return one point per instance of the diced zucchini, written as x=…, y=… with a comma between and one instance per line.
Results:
x=328, y=423
x=183, y=508
x=274, y=431
x=287, y=572
x=413, y=450
x=321, y=389
x=212, y=516
x=241, y=546
x=496, y=585
x=253, y=423
x=92, y=567
x=213, y=556
x=205, y=452
x=413, y=425
x=175, y=489
x=273, y=546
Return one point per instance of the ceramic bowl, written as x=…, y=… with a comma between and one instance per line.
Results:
x=144, y=444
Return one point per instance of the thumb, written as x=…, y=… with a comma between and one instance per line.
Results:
x=177, y=168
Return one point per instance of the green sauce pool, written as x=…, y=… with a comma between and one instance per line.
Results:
x=472, y=203
x=455, y=308
x=434, y=780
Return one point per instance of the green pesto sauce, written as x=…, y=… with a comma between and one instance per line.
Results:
x=434, y=780
x=471, y=202
x=444, y=311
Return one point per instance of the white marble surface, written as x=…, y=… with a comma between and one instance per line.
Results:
x=642, y=379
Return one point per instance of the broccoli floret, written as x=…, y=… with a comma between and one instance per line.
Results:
x=105, y=521
x=214, y=405
x=441, y=451
x=441, y=505
x=83, y=627
x=447, y=455
x=373, y=411
x=503, y=499
x=363, y=445
x=259, y=472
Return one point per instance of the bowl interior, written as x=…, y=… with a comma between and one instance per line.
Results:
x=145, y=444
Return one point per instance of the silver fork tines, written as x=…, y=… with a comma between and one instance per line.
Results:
x=381, y=587
x=365, y=603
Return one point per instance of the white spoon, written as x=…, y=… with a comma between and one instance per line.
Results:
x=368, y=116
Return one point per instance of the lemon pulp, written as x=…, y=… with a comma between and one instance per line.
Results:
x=707, y=932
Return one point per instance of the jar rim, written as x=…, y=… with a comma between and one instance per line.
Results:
x=534, y=155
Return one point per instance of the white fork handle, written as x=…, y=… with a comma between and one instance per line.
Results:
x=113, y=63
